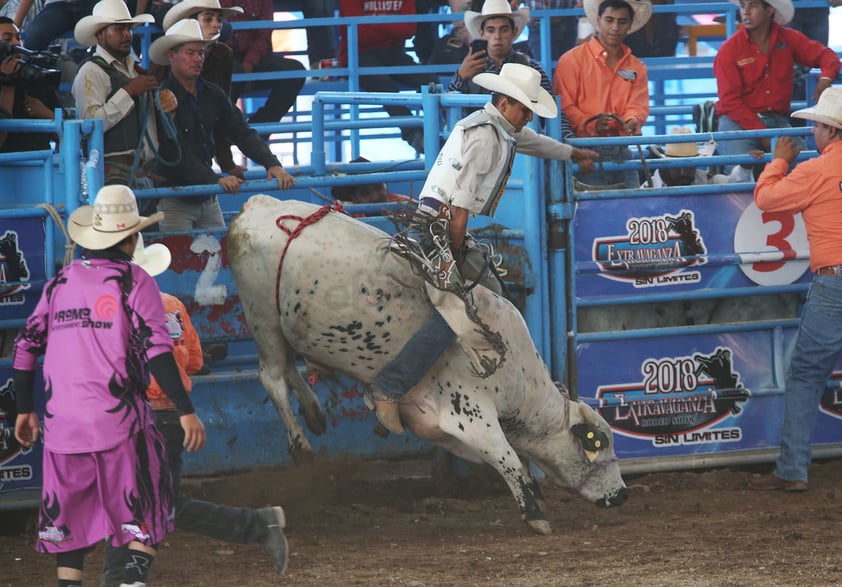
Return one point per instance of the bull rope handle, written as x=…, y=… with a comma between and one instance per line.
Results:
x=622, y=123
x=293, y=233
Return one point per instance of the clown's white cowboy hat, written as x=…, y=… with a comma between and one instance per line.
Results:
x=642, y=13
x=106, y=12
x=474, y=20
x=184, y=31
x=155, y=259
x=827, y=111
x=784, y=10
x=688, y=149
x=113, y=217
x=191, y=8
x=523, y=83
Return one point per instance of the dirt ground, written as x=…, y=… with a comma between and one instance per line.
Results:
x=386, y=523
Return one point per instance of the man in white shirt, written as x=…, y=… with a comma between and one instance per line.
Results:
x=467, y=179
x=112, y=87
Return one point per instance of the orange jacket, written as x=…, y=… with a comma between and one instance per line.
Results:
x=814, y=188
x=186, y=348
x=587, y=87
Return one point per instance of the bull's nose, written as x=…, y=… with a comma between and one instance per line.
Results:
x=619, y=498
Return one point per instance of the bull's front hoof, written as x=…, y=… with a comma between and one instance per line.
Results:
x=541, y=527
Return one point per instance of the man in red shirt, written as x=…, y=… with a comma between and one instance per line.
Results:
x=382, y=45
x=253, y=54
x=753, y=71
x=814, y=188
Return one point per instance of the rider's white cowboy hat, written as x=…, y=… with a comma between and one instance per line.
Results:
x=155, y=259
x=784, y=10
x=190, y=8
x=474, y=20
x=642, y=10
x=688, y=149
x=184, y=31
x=523, y=83
x=105, y=13
x=828, y=110
x=113, y=217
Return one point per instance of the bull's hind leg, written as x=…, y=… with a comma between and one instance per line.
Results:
x=475, y=425
x=275, y=359
x=309, y=405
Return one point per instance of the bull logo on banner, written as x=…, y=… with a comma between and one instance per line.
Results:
x=655, y=251
x=9, y=447
x=678, y=400
x=13, y=270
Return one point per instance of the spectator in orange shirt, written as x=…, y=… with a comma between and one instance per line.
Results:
x=604, y=89
x=814, y=188
x=754, y=72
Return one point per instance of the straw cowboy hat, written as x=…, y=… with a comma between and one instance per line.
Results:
x=689, y=149
x=523, y=83
x=642, y=12
x=105, y=13
x=184, y=31
x=155, y=259
x=784, y=10
x=827, y=111
x=113, y=217
x=474, y=20
x=191, y=8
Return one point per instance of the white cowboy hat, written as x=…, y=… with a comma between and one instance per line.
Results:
x=523, y=83
x=191, y=8
x=155, y=259
x=642, y=10
x=784, y=10
x=112, y=218
x=106, y=12
x=689, y=149
x=827, y=111
x=474, y=20
x=184, y=31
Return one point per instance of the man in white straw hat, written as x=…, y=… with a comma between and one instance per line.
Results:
x=813, y=188
x=754, y=72
x=604, y=89
x=204, y=109
x=219, y=61
x=106, y=474
x=499, y=27
x=467, y=179
x=230, y=524
x=112, y=87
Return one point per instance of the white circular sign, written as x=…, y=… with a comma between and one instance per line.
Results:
x=772, y=246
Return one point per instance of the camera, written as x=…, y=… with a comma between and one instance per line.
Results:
x=37, y=68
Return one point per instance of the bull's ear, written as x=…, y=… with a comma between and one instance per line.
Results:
x=592, y=439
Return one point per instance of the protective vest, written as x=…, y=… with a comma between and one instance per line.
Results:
x=124, y=135
x=441, y=182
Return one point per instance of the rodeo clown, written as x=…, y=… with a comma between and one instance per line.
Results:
x=467, y=179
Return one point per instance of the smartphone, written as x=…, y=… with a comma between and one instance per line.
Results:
x=478, y=45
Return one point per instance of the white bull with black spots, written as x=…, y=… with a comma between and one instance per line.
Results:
x=342, y=302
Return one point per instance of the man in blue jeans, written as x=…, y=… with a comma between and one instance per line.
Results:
x=230, y=524
x=813, y=188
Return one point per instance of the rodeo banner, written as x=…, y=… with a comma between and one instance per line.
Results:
x=693, y=390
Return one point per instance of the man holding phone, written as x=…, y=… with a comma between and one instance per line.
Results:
x=495, y=30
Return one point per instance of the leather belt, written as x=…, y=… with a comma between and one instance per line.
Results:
x=830, y=270
x=432, y=203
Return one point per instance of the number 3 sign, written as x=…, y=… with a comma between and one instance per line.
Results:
x=772, y=246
